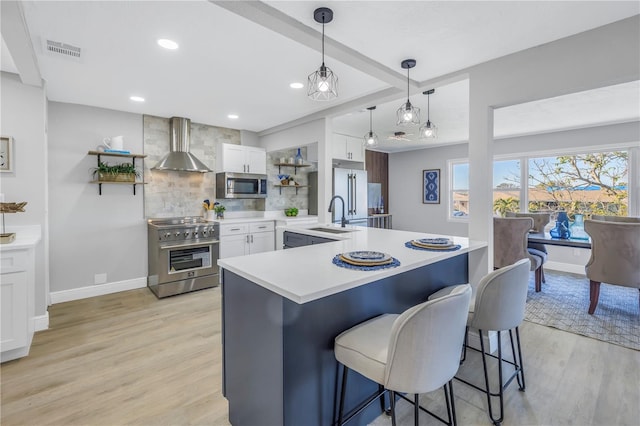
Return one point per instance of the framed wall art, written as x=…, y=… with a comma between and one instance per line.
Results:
x=6, y=154
x=431, y=186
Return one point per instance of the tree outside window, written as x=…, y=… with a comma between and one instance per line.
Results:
x=594, y=183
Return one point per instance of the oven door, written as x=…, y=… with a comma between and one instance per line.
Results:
x=188, y=260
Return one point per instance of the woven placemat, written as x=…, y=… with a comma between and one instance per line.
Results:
x=339, y=262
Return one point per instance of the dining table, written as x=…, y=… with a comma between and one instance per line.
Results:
x=545, y=238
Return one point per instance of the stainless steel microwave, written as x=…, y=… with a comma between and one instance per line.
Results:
x=241, y=185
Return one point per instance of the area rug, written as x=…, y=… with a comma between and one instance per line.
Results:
x=563, y=304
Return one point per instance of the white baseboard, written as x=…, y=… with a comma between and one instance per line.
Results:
x=564, y=267
x=41, y=322
x=97, y=290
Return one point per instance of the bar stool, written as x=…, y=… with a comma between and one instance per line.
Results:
x=415, y=352
x=499, y=306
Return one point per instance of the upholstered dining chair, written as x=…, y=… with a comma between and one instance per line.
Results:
x=540, y=220
x=415, y=352
x=510, y=238
x=615, y=254
x=498, y=305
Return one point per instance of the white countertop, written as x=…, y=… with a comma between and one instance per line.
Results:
x=287, y=219
x=307, y=273
x=26, y=237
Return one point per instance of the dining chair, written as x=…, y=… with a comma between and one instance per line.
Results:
x=510, y=245
x=498, y=305
x=540, y=220
x=615, y=254
x=415, y=352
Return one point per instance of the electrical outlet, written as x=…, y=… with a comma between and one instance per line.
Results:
x=100, y=278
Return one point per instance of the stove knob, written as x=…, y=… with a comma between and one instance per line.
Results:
x=167, y=235
x=204, y=233
x=186, y=234
x=177, y=234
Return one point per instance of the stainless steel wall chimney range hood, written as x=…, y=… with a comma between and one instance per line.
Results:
x=179, y=158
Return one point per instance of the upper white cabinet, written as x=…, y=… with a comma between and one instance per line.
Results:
x=241, y=159
x=348, y=148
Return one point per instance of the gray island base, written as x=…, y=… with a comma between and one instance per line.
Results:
x=278, y=362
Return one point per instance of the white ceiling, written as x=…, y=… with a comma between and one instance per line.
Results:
x=239, y=57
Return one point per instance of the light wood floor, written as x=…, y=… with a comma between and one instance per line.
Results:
x=129, y=358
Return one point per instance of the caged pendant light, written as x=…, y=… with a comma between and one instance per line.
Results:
x=407, y=113
x=323, y=83
x=370, y=138
x=428, y=130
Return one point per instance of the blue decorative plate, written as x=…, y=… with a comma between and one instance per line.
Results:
x=435, y=241
x=367, y=256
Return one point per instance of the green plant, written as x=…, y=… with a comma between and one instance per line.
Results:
x=219, y=208
x=291, y=212
x=118, y=169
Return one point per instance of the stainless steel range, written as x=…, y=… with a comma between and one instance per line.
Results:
x=183, y=255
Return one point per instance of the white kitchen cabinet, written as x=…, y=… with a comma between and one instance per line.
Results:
x=239, y=239
x=17, y=288
x=241, y=159
x=348, y=148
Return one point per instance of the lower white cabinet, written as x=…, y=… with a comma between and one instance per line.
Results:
x=16, y=301
x=238, y=239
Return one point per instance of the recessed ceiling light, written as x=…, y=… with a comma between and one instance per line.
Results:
x=232, y=116
x=137, y=98
x=168, y=44
x=296, y=85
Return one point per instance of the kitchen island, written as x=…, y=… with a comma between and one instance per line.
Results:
x=282, y=309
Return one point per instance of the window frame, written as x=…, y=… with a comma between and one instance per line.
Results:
x=633, y=184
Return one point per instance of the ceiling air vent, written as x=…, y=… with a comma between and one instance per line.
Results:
x=57, y=48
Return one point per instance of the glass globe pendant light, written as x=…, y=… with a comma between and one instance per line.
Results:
x=370, y=138
x=323, y=83
x=428, y=130
x=407, y=113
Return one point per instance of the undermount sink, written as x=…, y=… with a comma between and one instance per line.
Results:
x=332, y=230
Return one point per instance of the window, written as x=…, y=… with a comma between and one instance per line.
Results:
x=459, y=189
x=591, y=183
x=506, y=186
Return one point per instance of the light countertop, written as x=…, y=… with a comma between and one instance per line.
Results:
x=287, y=219
x=307, y=273
x=26, y=237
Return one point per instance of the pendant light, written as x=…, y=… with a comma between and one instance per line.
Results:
x=370, y=138
x=323, y=83
x=428, y=130
x=407, y=113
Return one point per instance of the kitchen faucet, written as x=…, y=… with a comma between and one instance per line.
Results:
x=344, y=220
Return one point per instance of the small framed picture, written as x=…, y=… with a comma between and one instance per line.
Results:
x=431, y=186
x=6, y=154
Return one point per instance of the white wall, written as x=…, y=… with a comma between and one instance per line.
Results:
x=92, y=234
x=405, y=191
x=24, y=118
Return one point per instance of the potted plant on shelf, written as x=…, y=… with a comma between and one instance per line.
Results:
x=125, y=172
x=219, y=209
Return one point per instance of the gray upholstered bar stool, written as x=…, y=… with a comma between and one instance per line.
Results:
x=415, y=352
x=499, y=305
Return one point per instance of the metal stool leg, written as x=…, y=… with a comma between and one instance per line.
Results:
x=393, y=407
x=496, y=421
x=342, y=393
